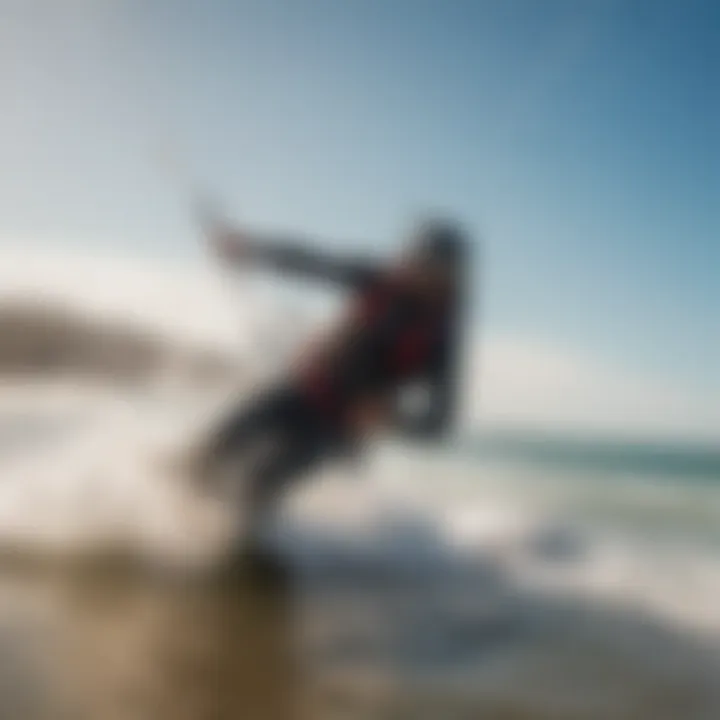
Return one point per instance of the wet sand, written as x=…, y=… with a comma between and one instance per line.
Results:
x=116, y=644
x=119, y=644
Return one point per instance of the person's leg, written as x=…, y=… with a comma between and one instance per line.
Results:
x=267, y=482
x=283, y=465
x=277, y=440
x=241, y=430
x=305, y=440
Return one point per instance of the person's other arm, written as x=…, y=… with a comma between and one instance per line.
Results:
x=293, y=257
x=436, y=419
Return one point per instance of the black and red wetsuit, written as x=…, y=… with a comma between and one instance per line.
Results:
x=393, y=338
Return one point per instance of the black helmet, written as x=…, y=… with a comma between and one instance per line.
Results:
x=441, y=241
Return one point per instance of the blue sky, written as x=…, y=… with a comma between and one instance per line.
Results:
x=578, y=138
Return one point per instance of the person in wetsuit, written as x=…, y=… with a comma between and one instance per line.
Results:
x=403, y=328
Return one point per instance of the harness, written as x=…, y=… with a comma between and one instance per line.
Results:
x=413, y=344
x=407, y=354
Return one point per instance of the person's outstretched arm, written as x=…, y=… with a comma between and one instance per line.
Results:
x=292, y=257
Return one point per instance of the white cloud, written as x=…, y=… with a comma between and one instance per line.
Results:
x=529, y=383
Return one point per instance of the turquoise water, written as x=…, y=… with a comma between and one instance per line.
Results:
x=657, y=492
x=660, y=461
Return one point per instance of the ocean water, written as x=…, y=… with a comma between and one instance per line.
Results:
x=525, y=577
x=510, y=575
